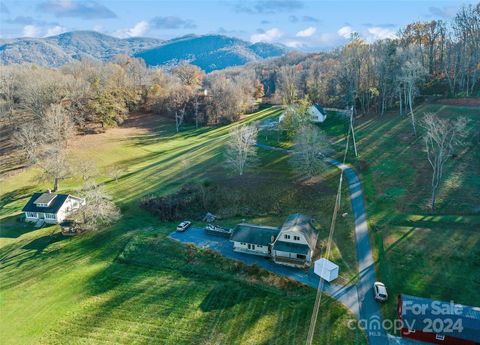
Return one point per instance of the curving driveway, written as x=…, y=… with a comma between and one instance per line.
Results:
x=368, y=308
x=357, y=297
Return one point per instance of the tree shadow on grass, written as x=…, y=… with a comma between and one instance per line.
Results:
x=14, y=227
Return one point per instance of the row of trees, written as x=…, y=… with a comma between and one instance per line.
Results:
x=435, y=57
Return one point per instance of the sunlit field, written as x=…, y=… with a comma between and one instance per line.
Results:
x=130, y=283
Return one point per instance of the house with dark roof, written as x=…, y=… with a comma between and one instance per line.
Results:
x=292, y=245
x=438, y=322
x=296, y=241
x=50, y=207
x=254, y=239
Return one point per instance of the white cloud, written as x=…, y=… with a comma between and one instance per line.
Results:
x=377, y=32
x=345, y=31
x=55, y=30
x=268, y=36
x=139, y=29
x=307, y=32
x=328, y=38
x=294, y=44
x=31, y=31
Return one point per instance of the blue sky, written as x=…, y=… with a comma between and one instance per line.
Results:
x=307, y=24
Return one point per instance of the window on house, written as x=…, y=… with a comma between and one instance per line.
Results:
x=439, y=337
x=31, y=215
x=49, y=216
x=301, y=256
x=296, y=238
x=286, y=237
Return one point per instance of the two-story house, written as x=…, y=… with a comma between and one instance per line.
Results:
x=295, y=244
x=292, y=245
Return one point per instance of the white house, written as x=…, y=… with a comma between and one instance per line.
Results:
x=316, y=112
x=292, y=245
x=295, y=244
x=50, y=207
x=254, y=239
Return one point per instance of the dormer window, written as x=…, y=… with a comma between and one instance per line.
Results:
x=45, y=200
x=287, y=237
x=296, y=238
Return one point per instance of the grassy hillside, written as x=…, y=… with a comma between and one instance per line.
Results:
x=420, y=252
x=130, y=283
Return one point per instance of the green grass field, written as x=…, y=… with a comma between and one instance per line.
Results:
x=420, y=252
x=417, y=251
x=129, y=284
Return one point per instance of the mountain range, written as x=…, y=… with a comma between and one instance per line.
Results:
x=209, y=52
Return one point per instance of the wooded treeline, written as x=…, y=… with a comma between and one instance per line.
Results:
x=46, y=105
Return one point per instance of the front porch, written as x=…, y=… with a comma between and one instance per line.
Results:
x=296, y=262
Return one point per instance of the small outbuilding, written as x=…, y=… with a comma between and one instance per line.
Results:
x=316, y=112
x=326, y=269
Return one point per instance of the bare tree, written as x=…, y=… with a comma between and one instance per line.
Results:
x=287, y=84
x=30, y=140
x=241, y=147
x=99, y=210
x=442, y=137
x=58, y=125
x=310, y=144
x=412, y=73
x=86, y=169
x=114, y=172
x=55, y=166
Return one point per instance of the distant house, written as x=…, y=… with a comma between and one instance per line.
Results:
x=254, y=239
x=296, y=241
x=316, y=112
x=50, y=207
x=292, y=245
x=438, y=322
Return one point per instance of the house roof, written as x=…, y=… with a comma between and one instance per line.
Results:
x=45, y=198
x=300, y=223
x=319, y=108
x=53, y=207
x=297, y=248
x=468, y=317
x=255, y=234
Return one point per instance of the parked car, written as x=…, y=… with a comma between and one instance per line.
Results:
x=184, y=226
x=380, y=291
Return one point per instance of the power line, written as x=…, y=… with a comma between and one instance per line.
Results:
x=318, y=298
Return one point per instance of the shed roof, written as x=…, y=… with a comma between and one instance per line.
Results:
x=55, y=204
x=297, y=248
x=469, y=317
x=319, y=108
x=255, y=234
x=302, y=224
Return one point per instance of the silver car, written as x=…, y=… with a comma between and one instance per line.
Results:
x=183, y=226
x=380, y=292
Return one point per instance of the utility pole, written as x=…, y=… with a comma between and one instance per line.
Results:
x=353, y=132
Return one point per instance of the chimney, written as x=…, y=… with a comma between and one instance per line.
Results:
x=49, y=191
x=273, y=239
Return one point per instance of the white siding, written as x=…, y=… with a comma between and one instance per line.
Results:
x=254, y=249
x=290, y=237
